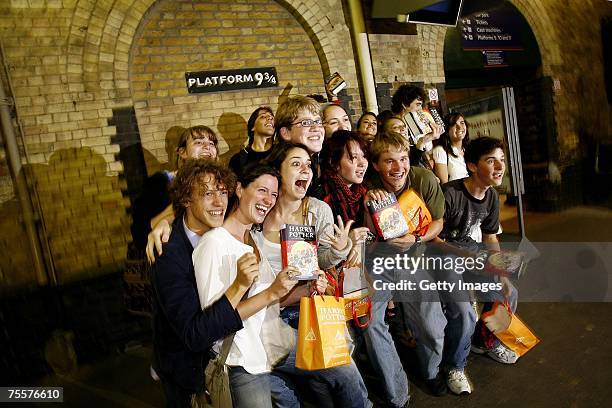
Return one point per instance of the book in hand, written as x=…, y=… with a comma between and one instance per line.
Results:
x=437, y=118
x=299, y=249
x=387, y=217
x=417, y=123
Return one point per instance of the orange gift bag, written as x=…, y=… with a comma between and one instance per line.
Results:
x=321, y=333
x=415, y=212
x=509, y=329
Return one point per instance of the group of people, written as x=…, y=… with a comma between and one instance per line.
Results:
x=218, y=277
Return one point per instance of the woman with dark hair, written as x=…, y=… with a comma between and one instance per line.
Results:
x=264, y=339
x=367, y=126
x=448, y=154
x=344, y=384
x=293, y=162
x=382, y=118
x=261, y=361
x=393, y=124
x=344, y=163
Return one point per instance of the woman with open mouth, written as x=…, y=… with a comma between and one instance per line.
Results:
x=293, y=206
x=265, y=340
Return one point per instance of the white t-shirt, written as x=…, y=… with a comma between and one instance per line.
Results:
x=455, y=165
x=255, y=346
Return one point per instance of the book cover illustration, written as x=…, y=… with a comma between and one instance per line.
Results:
x=417, y=123
x=387, y=217
x=299, y=249
x=415, y=212
x=437, y=118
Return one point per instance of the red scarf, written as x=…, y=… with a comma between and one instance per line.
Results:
x=345, y=201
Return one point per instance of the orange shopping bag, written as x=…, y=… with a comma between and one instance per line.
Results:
x=321, y=333
x=415, y=212
x=509, y=329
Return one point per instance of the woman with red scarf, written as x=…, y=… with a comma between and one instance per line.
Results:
x=344, y=163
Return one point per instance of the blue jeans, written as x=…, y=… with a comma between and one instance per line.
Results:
x=337, y=386
x=382, y=352
x=442, y=324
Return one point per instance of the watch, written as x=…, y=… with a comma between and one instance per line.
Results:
x=417, y=239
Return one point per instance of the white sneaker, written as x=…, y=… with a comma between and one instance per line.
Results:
x=458, y=382
x=499, y=353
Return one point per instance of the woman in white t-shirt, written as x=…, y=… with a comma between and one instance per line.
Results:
x=448, y=154
x=264, y=339
x=337, y=386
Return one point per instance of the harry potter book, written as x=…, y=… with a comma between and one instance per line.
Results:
x=299, y=249
x=387, y=217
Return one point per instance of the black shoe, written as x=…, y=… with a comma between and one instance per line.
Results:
x=437, y=386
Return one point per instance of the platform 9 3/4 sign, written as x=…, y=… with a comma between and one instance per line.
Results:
x=231, y=80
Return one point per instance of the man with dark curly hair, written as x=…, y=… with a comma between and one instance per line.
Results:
x=183, y=331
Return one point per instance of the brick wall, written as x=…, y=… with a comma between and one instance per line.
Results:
x=177, y=37
x=408, y=59
x=571, y=53
x=73, y=63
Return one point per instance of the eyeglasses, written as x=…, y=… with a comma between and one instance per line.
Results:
x=308, y=123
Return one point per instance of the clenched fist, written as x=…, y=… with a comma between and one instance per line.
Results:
x=248, y=270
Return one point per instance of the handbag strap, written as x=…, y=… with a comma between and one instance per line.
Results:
x=305, y=203
x=225, y=348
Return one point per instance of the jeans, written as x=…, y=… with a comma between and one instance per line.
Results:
x=382, y=352
x=258, y=390
x=337, y=386
x=442, y=323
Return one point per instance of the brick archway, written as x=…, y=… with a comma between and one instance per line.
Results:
x=102, y=33
x=539, y=20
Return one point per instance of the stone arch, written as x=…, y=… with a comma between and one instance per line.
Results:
x=432, y=52
x=100, y=37
x=306, y=17
x=102, y=34
x=539, y=20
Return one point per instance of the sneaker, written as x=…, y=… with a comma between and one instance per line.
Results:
x=499, y=353
x=437, y=386
x=458, y=382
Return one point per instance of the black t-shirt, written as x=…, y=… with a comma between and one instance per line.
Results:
x=464, y=213
x=245, y=157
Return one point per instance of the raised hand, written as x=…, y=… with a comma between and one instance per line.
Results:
x=248, y=270
x=340, y=237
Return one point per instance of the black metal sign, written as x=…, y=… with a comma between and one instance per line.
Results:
x=231, y=80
